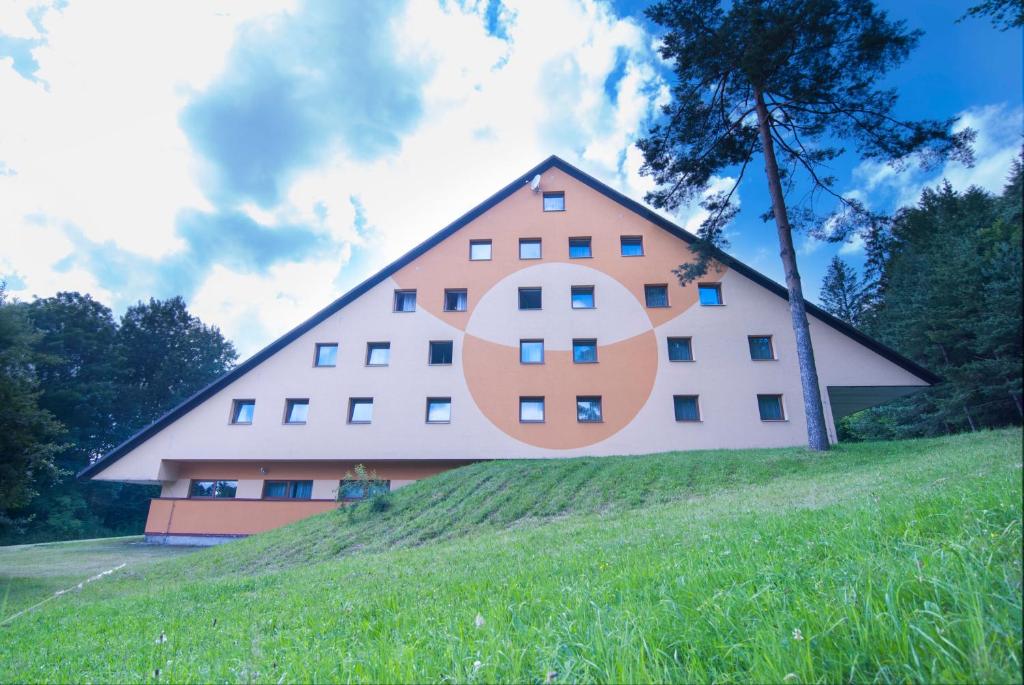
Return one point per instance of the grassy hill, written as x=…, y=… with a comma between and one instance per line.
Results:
x=882, y=561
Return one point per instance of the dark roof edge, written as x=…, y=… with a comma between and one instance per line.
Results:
x=338, y=304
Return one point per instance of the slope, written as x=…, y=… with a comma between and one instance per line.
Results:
x=884, y=561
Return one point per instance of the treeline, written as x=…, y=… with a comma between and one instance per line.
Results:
x=942, y=284
x=74, y=383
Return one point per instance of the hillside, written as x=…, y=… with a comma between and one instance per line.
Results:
x=878, y=561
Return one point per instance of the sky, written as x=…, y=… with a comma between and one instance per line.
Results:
x=262, y=157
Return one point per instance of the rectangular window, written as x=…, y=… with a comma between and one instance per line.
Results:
x=456, y=300
x=360, y=410
x=579, y=248
x=588, y=409
x=770, y=408
x=554, y=202
x=354, y=490
x=529, y=298
x=686, y=407
x=213, y=489
x=441, y=352
x=584, y=351
x=479, y=250
x=531, y=351
x=656, y=295
x=631, y=246
x=439, y=410
x=242, y=411
x=288, y=489
x=529, y=248
x=680, y=350
x=405, y=300
x=296, y=411
x=531, y=410
x=326, y=354
x=583, y=297
x=761, y=347
x=378, y=353
x=710, y=294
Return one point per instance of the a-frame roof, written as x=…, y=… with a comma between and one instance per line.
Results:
x=552, y=162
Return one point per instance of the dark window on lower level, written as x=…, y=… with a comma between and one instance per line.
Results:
x=353, y=490
x=213, y=489
x=288, y=489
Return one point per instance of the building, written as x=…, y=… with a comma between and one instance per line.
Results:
x=542, y=323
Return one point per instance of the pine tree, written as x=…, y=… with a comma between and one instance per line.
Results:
x=842, y=293
x=783, y=79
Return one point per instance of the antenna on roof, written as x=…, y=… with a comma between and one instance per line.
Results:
x=535, y=183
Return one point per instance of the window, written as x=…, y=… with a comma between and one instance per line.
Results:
x=531, y=351
x=479, y=250
x=710, y=294
x=770, y=408
x=761, y=347
x=378, y=353
x=296, y=411
x=632, y=246
x=288, y=489
x=531, y=410
x=583, y=297
x=405, y=300
x=554, y=202
x=242, y=411
x=529, y=248
x=350, y=490
x=326, y=354
x=439, y=410
x=656, y=295
x=588, y=409
x=686, y=407
x=680, y=350
x=584, y=351
x=529, y=298
x=213, y=489
x=455, y=300
x=441, y=352
x=579, y=248
x=360, y=410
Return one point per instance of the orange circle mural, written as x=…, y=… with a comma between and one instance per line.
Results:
x=623, y=375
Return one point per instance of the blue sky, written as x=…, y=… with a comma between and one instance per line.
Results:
x=260, y=157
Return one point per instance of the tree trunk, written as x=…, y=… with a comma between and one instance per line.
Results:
x=817, y=435
x=1016, y=403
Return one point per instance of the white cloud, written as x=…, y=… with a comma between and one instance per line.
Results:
x=998, y=142
x=97, y=145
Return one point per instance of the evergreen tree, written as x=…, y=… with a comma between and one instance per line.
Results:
x=952, y=300
x=28, y=433
x=842, y=293
x=782, y=79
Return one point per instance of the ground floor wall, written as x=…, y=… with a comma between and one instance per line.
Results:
x=176, y=517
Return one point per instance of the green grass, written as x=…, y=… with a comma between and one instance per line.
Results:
x=31, y=573
x=894, y=561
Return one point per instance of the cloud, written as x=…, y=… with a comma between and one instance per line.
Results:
x=292, y=148
x=998, y=142
x=321, y=78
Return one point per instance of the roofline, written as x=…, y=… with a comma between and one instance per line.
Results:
x=551, y=162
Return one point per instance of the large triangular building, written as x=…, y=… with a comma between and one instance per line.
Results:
x=545, y=322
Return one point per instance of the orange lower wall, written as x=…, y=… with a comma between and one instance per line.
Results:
x=182, y=516
x=227, y=517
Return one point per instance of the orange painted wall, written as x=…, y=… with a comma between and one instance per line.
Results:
x=227, y=517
